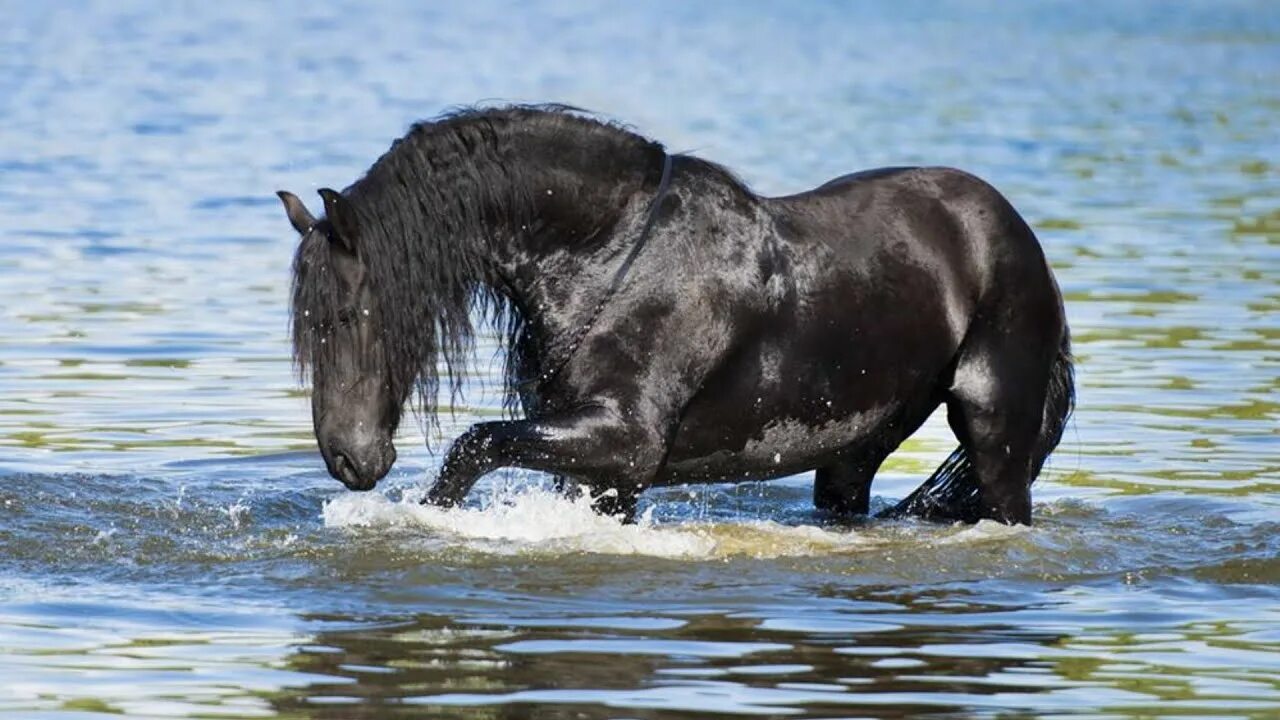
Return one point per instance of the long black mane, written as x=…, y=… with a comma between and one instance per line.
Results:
x=429, y=212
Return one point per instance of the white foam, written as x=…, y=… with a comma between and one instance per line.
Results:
x=540, y=520
x=981, y=532
x=534, y=519
x=543, y=520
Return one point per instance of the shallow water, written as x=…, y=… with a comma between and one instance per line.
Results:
x=171, y=546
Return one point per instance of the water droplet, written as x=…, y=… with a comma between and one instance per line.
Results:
x=777, y=458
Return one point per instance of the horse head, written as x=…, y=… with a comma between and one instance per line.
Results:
x=338, y=340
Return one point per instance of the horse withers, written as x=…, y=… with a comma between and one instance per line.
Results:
x=665, y=325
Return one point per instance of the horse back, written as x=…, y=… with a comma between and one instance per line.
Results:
x=938, y=222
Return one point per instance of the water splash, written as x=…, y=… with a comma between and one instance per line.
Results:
x=533, y=519
x=542, y=521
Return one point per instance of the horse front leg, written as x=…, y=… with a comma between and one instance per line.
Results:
x=593, y=443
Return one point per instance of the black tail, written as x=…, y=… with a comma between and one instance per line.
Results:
x=953, y=493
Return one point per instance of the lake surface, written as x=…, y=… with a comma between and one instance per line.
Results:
x=170, y=545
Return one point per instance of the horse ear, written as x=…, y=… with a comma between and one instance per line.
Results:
x=299, y=216
x=341, y=216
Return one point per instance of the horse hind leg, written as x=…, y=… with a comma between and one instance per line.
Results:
x=1008, y=405
x=999, y=431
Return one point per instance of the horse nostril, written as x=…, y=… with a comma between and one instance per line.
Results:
x=342, y=464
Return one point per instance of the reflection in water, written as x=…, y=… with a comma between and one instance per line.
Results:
x=935, y=652
x=171, y=546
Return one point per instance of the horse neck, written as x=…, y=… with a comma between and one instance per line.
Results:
x=523, y=217
x=577, y=193
x=504, y=201
x=580, y=198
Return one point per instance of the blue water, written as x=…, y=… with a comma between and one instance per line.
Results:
x=171, y=546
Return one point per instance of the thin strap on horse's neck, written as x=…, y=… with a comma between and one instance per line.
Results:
x=619, y=276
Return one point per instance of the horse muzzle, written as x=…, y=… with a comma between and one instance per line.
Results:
x=360, y=468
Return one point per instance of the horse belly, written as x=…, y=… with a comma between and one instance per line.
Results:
x=778, y=447
x=843, y=381
x=789, y=405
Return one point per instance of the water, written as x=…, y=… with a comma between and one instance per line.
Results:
x=171, y=546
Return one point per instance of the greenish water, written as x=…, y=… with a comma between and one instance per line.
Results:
x=170, y=545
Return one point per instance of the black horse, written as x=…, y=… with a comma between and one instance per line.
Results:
x=665, y=325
